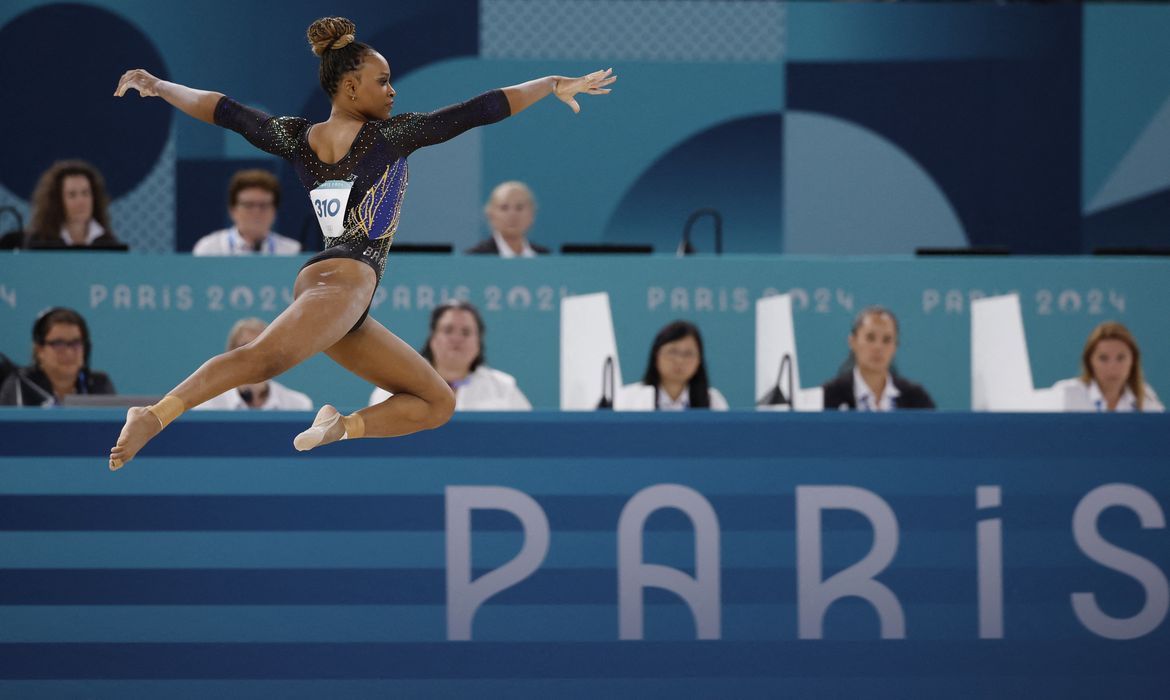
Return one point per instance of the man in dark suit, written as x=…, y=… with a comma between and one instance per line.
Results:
x=869, y=384
x=510, y=212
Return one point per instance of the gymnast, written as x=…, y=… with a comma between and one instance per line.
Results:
x=354, y=165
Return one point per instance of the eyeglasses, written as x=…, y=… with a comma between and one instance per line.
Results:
x=681, y=354
x=256, y=205
x=65, y=344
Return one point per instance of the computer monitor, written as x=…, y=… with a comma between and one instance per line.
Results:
x=606, y=249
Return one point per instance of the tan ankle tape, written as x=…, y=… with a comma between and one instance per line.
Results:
x=355, y=426
x=170, y=408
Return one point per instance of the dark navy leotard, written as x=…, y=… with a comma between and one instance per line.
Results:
x=358, y=199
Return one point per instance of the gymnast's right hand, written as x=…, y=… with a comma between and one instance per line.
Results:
x=145, y=83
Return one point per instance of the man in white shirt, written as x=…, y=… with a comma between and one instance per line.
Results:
x=266, y=396
x=510, y=211
x=253, y=196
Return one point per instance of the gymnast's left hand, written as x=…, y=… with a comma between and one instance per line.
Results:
x=593, y=84
x=138, y=79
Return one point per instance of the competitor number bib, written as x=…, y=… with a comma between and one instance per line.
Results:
x=329, y=202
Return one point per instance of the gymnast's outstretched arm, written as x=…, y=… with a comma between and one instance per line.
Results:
x=197, y=103
x=524, y=95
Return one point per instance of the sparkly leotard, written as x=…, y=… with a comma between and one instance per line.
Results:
x=365, y=188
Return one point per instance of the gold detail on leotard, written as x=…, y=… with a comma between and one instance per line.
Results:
x=365, y=214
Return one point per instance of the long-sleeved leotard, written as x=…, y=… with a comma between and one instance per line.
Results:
x=358, y=199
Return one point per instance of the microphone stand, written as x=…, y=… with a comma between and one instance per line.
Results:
x=607, y=381
x=684, y=246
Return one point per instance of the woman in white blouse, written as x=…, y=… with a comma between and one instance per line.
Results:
x=455, y=349
x=676, y=375
x=1111, y=375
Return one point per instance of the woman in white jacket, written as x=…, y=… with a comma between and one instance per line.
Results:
x=1111, y=375
x=675, y=377
x=455, y=349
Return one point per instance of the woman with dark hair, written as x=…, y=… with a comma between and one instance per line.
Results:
x=455, y=349
x=675, y=377
x=1111, y=375
x=867, y=381
x=70, y=208
x=61, y=354
x=354, y=166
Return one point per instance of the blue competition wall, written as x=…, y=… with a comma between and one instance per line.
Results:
x=815, y=127
x=156, y=318
x=223, y=563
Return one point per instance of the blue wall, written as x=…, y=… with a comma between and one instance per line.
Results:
x=814, y=127
x=221, y=561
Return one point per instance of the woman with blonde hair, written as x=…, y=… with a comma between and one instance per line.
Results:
x=1111, y=375
x=354, y=166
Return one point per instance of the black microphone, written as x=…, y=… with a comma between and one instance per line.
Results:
x=685, y=247
x=607, y=380
x=777, y=397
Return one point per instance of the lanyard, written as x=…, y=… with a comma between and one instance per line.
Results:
x=269, y=242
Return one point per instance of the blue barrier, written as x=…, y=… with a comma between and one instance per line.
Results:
x=589, y=555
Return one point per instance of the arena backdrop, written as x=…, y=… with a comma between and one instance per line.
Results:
x=812, y=127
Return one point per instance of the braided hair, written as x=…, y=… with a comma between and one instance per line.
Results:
x=332, y=38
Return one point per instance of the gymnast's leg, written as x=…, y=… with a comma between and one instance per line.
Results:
x=329, y=297
x=421, y=400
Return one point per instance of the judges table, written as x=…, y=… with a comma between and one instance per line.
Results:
x=155, y=318
x=589, y=555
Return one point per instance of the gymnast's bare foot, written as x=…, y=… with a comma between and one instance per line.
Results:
x=141, y=426
x=327, y=427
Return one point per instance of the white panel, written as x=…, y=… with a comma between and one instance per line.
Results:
x=775, y=338
x=1001, y=374
x=635, y=397
x=810, y=399
x=587, y=339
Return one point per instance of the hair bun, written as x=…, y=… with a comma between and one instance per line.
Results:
x=331, y=33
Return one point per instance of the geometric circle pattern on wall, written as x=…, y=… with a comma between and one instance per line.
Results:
x=144, y=217
x=59, y=65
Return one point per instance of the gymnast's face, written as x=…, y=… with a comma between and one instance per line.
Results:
x=455, y=342
x=371, y=89
x=874, y=343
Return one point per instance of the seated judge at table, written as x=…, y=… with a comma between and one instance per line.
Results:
x=675, y=377
x=253, y=196
x=61, y=354
x=70, y=211
x=268, y=395
x=510, y=212
x=867, y=381
x=455, y=348
x=1111, y=375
